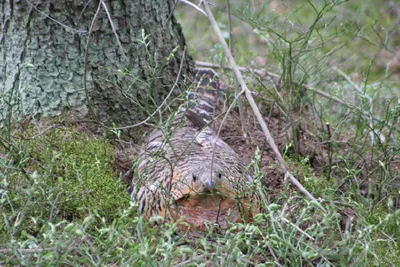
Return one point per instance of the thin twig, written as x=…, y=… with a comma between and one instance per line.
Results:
x=84, y=8
x=276, y=260
x=237, y=97
x=367, y=97
x=42, y=132
x=25, y=250
x=194, y=6
x=166, y=98
x=237, y=89
x=86, y=66
x=254, y=107
x=56, y=21
x=348, y=79
x=297, y=228
x=113, y=28
x=228, y=7
x=328, y=129
x=87, y=92
x=263, y=73
x=242, y=69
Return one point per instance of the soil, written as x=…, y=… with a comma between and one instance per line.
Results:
x=231, y=133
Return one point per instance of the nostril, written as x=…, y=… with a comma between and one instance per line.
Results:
x=209, y=184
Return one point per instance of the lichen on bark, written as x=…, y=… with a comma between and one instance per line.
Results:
x=42, y=57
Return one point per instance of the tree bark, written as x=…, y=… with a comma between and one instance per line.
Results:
x=43, y=48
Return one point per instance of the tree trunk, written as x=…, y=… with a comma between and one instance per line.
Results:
x=42, y=57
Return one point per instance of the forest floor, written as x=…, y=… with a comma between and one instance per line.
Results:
x=333, y=112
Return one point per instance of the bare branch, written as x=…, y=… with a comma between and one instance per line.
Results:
x=164, y=101
x=228, y=7
x=370, y=102
x=254, y=107
x=56, y=21
x=113, y=28
x=87, y=92
x=86, y=66
x=194, y=6
x=263, y=73
x=237, y=90
x=42, y=132
x=356, y=86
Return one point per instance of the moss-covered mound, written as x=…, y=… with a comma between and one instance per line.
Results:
x=71, y=173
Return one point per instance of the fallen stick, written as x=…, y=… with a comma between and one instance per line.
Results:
x=254, y=107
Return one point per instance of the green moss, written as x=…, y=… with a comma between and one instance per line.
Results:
x=385, y=256
x=84, y=168
x=72, y=175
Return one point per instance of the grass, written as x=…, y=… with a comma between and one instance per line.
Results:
x=62, y=202
x=43, y=223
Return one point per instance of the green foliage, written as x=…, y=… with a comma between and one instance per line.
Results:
x=62, y=204
x=83, y=168
x=292, y=228
x=61, y=174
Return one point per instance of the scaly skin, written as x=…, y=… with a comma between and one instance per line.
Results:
x=179, y=176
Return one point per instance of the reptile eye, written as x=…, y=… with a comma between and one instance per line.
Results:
x=219, y=175
x=194, y=178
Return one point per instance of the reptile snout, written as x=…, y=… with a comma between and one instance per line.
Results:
x=210, y=184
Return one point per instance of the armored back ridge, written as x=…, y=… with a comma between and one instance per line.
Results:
x=202, y=100
x=189, y=171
